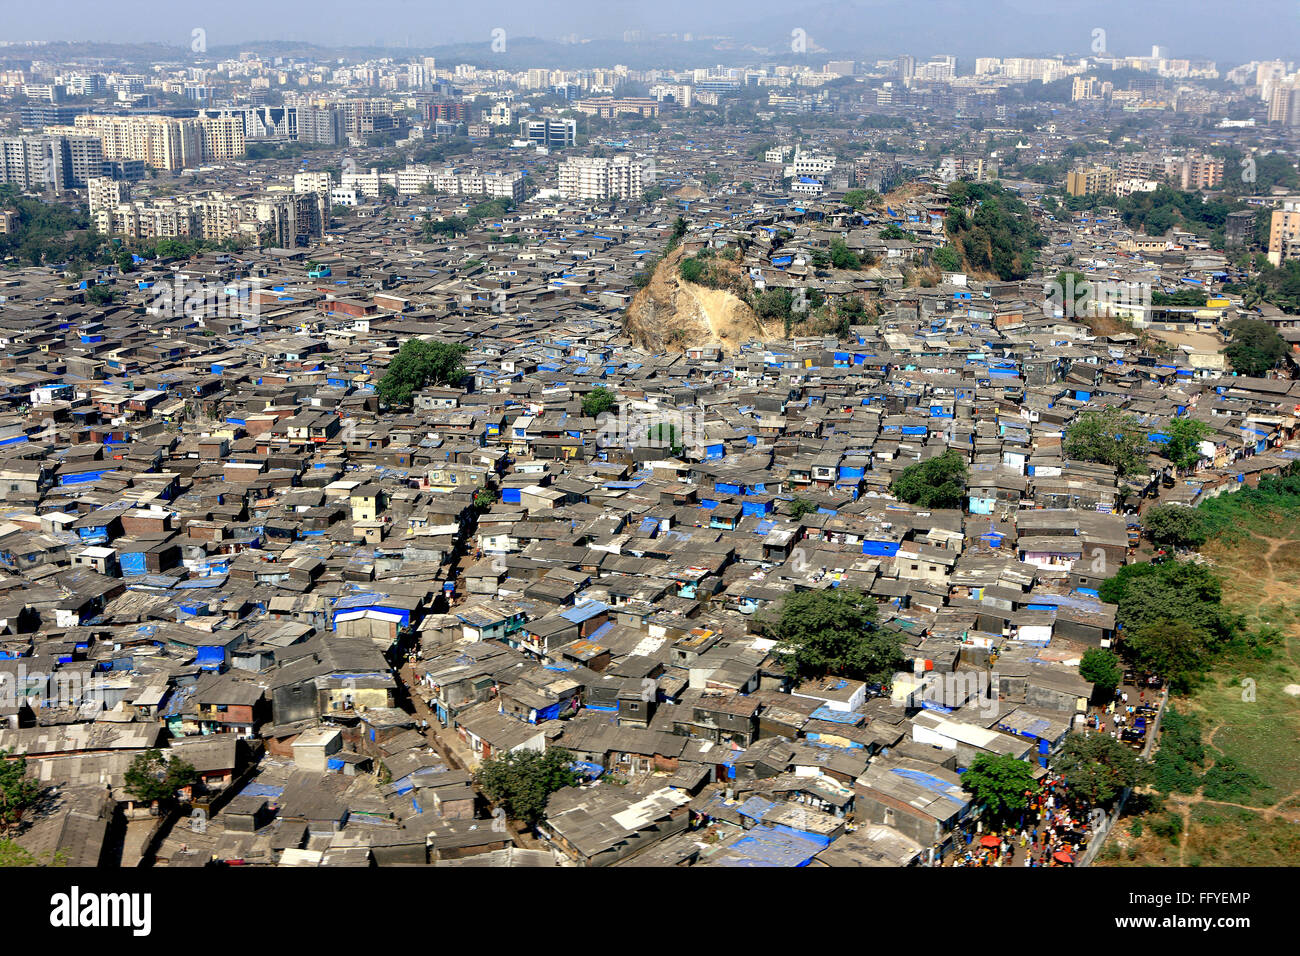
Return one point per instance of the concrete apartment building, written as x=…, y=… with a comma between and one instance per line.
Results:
x=259, y=122
x=50, y=162
x=412, y=181
x=1086, y=181
x=1284, y=233
x=163, y=142
x=586, y=177
x=323, y=126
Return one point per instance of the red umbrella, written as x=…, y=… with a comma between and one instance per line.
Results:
x=1062, y=856
x=989, y=840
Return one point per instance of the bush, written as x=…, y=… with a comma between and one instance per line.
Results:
x=1229, y=781
x=1168, y=827
x=1181, y=753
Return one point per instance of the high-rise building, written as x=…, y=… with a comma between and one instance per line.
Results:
x=105, y=193
x=1198, y=171
x=453, y=111
x=163, y=142
x=1090, y=180
x=322, y=126
x=50, y=161
x=40, y=115
x=585, y=177
x=1284, y=104
x=259, y=122
x=1284, y=233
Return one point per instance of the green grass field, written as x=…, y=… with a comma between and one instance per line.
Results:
x=1247, y=714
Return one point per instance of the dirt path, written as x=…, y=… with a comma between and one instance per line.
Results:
x=1184, y=803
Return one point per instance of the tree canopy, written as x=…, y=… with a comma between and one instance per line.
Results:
x=152, y=777
x=800, y=507
x=419, y=363
x=521, y=781
x=1102, y=668
x=1172, y=618
x=1255, y=348
x=1175, y=650
x=1175, y=526
x=18, y=792
x=858, y=198
x=1151, y=594
x=1108, y=437
x=833, y=632
x=1098, y=767
x=1185, y=437
x=1001, y=784
x=938, y=482
x=598, y=401
x=999, y=235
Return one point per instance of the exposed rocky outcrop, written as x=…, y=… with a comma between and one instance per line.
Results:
x=672, y=315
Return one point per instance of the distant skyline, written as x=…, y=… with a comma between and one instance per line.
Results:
x=868, y=29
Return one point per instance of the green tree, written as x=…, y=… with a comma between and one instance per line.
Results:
x=842, y=257
x=99, y=295
x=938, y=482
x=1108, y=437
x=833, y=632
x=800, y=507
x=151, y=777
x=598, y=401
x=1185, y=437
x=18, y=792
x=1175, y=526
x=1074, y=286
x=1098, y=767
x=1101, y=667
x=521, y=781
x=1255, y=348
x=860, y=198
x=947, y=259
x=679, y=232
x=419, y=363
x=1175, y=650
x=450, y=227
x=484, y=499
x=1001, y=784
x=1153, y=595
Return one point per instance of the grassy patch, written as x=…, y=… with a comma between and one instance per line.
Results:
x=1251, y=726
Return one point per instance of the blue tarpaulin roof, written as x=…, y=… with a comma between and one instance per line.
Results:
x=768, y=846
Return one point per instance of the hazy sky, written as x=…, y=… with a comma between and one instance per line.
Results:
x=1227, y=30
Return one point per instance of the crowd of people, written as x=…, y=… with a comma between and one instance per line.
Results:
x=1053, y=831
